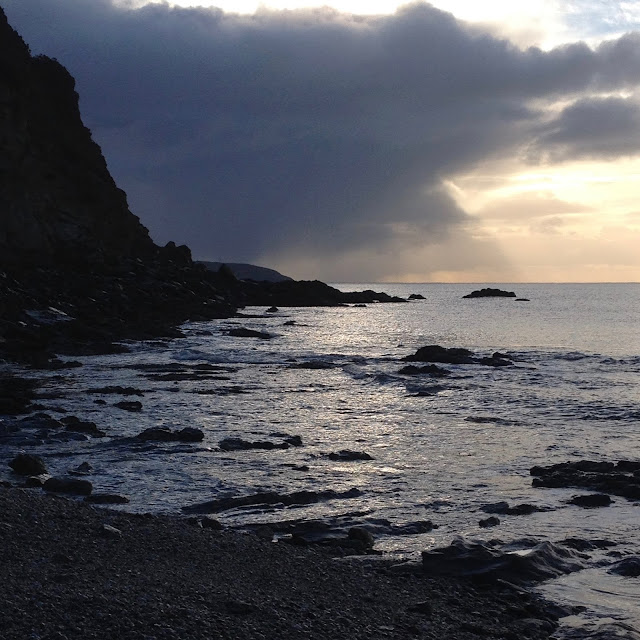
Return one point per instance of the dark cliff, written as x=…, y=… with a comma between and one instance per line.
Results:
x=58, y=202
x=67, y=238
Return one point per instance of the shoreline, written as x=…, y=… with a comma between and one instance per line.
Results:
x=71, y=570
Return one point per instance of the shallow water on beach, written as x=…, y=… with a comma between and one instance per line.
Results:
x=442, y=448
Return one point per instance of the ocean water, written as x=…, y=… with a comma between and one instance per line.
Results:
x=441, y=448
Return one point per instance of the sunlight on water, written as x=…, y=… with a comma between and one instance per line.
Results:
x=441, y=448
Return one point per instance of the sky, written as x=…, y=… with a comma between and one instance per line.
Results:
x=367, y=141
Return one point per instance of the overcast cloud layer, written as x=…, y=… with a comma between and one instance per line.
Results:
x=321, y=139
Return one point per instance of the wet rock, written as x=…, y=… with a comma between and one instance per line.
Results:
x=463, y=558
x=123, y=391
x=489, y=522
x=272, y=310
x=26, y=464
x=602, y=477
x=164, y=434
x=82, y=426
x=16, y=394
x=579, y=544
x=83, y=469
x=238, y=444
x=107, y=498
x=312, y=364
x=496, y=360
x=443, y=355
x=489, y=292
x=592, y=500
x=133, y=405
x=242, y=332
x=347, y=455
x=629, y=567
x=271, y=498
x=503, y=508
x=362, y=536
x=431, y=370
x=68, y=485
x=416, y=296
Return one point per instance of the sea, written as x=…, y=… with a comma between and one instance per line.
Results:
x=440, y=448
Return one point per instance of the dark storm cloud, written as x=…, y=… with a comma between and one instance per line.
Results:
x=246, y=136
x=592, y=128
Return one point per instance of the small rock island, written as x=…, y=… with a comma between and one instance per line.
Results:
x=488, y=292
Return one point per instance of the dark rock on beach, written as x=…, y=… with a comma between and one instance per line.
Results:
x=540, y=562
x=68, y=485
x=26, y=464
x=488, y=292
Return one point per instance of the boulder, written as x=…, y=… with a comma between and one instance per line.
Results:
x=540, y=562
x=436, y=353
x=68, y=485
x=26, y=464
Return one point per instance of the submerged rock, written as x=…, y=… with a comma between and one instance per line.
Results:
x=133, y=405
